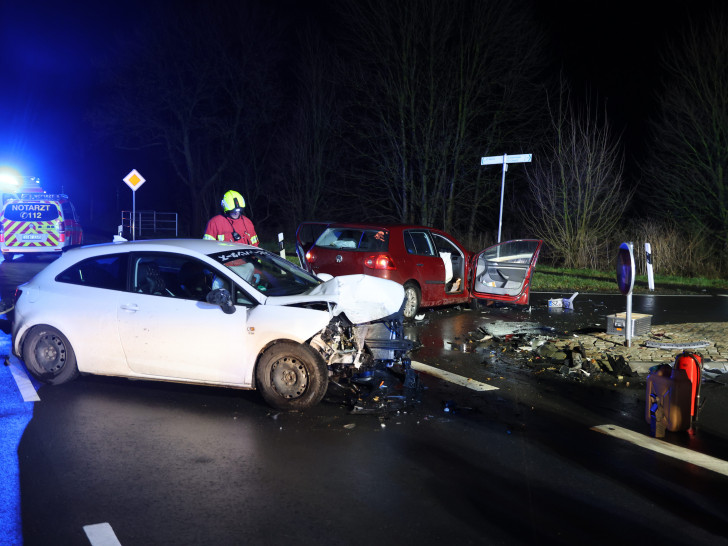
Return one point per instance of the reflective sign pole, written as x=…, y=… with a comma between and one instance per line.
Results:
x=625, y=281
x=504, y=160
x=281, y=249
x=648, y=259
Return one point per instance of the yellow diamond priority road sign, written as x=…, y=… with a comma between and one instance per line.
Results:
x=134, y=180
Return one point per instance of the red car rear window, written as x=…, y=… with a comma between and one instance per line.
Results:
x=369, y=240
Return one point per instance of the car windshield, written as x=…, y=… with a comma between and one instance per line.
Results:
x=269, y=274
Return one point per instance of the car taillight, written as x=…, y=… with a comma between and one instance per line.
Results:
x=16, y=295
x=379, y=261
x=62, y=232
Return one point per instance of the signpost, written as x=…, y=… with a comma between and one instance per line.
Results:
x=281, y=249
x=648, y=260
x=625, y=282
x=504, y=159
x=134, y=180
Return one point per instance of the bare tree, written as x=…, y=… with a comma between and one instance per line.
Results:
x=309, y=155
x=438, y=85
x=686, y=175
x=200, y=90
x=575, y=184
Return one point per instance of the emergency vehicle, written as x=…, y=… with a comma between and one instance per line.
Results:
x=38, y=222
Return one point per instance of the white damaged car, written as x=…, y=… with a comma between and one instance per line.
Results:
x=205, y=312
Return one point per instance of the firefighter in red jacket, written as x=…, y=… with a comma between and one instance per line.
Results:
x=231, y=225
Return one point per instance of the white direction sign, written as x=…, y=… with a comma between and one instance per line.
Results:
x=504, y=160
x=134, y=180
x=498, y=159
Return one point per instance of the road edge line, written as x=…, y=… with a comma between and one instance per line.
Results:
x=26, y=388
x=452, y=378
x=660, y=446
x=101, y=534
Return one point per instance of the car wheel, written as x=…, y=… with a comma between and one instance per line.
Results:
x=49, y=356
x=291, y=376
x=411, y=300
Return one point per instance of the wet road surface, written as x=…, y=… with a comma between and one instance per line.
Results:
x=176, y=464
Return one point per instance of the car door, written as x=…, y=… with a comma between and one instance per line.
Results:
x=168, y=330
x=425, y=264
x=306, y=235
x=503, y=272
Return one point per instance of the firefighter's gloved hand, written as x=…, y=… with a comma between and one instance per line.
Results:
x=221, y=297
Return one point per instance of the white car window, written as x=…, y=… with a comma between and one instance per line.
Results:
x=101, y=272
x=174, y=275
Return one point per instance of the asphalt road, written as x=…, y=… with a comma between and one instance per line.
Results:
x=518, y=463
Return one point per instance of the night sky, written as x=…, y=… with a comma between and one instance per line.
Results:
x=50, y=54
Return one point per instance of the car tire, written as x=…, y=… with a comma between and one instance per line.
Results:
x=291, y=376
x=49, y=356
x=412, y=300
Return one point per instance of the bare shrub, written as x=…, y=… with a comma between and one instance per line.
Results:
x=674, y=251
x=576, y=192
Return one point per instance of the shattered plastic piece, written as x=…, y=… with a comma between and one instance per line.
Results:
x=566, y=303
x=569, y=303
x=349, y=425
x=420, y=317
x=502, y=329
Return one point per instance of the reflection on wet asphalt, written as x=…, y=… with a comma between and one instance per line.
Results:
x=590, y=312
x=449, y=335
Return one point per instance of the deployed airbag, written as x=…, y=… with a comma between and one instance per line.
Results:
x=363, y=298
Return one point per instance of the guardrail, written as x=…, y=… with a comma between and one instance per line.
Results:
x=149, y=224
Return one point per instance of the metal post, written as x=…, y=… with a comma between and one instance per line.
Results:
x=628, y=325
x=628, y=331
x=503, y=187
x=133, y=216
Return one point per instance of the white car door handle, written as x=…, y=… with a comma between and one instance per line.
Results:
x=130, y=307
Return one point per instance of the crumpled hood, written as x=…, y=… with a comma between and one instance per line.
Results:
x=362, y=298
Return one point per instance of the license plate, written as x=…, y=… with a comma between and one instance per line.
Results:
x=33, y=237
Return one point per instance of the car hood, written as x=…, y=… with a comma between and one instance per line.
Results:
x=362, y=298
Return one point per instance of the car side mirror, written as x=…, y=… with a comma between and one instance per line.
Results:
x=221, y=297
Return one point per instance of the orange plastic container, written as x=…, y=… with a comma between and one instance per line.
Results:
x=673, y=393
x=692, y=363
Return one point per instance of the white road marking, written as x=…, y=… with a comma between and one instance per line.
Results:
x=27, y=391
x=101, y=534
x=452, y=378
x=688, y=455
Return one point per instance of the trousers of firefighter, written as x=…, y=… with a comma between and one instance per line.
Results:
x=673, y=394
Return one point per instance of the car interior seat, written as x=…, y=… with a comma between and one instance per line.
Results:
x=193, y=281
x=149, y=279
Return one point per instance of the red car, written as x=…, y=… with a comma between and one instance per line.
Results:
x=433, y=266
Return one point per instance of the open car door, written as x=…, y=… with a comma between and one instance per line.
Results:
x=503, y=272
x=306, y=235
